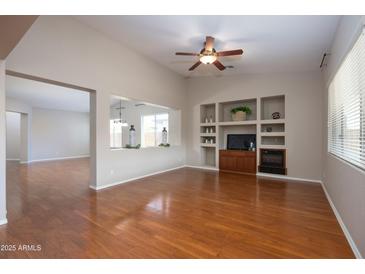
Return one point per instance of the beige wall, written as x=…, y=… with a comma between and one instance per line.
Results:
x=344, y=183
x=303, y=113
x=51, y=133
x=12, y=136
x=77, y=54
x=59, y=134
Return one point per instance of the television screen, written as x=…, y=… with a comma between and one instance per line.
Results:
x=240, y=141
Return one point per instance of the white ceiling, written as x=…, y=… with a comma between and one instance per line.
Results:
x=42, y=95
x=270, y=43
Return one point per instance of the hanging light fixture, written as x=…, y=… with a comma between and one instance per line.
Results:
x=120, y=121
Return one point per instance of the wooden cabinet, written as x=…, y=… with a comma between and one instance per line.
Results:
x=237, y=161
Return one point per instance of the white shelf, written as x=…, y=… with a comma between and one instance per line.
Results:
x=208, y=145
x=273, y=121
x=238, y=123
x=273, y=146
x=272, y=134
x=207, y=124
x=208, y=135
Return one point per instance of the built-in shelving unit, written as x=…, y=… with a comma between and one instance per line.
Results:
x=272, y=131
x=216, y=123
x=273, y=140
x=237, y=123
x=273, y=121
x=272, y=134
x=272, y=104
x=207, y=114
x=224, y=110
x=208, y=145
x=208, y=134
x=273, y=146
x=207, y=124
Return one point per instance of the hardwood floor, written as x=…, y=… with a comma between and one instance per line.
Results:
x=186, y=213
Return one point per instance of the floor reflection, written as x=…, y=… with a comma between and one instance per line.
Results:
x=161, y=204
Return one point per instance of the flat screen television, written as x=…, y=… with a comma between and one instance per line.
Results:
x=240, y=141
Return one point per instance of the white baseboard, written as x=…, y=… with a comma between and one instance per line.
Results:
x=284, y=177
x=342, y=224
x=134, y=178
x=203, y=167
x=3, y=221
x=56, y=159
x=12, y=159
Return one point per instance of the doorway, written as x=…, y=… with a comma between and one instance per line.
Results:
x=50, y=121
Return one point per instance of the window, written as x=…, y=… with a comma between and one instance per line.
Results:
x=115, y=133
x=346, y=107
x=152, y=126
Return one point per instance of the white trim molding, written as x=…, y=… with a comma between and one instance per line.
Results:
x=203, y=167
x=56, y=159
x=92, y=187
x=134, y=178
x=12, y=159
x=284, y=177
x=24, y=162
x=342, y=224
x=3, y=221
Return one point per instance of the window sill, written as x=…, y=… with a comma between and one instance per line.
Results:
x=142, y=148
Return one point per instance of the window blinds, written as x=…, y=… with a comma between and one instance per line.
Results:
x=346, y=107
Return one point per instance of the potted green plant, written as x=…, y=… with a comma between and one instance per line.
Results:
x=240, y=113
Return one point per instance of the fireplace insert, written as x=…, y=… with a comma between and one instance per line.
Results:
x=272, y=161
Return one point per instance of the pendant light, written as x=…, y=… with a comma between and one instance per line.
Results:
x=120, y=121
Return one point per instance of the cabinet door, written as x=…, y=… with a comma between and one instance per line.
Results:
x=246, y=164
x=227, y=163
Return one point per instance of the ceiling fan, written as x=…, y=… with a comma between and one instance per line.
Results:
x=208, y=55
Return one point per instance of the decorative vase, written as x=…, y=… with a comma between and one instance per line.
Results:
x=276, y=115
x=164, y=136
x=239, y=116
x=132, y=136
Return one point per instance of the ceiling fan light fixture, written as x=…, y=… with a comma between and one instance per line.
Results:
x=208, y=55
x=208, y=59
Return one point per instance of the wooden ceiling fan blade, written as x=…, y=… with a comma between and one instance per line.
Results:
x=187, y=53
x=219, y=65
x=195, y=65
x=230, y=52
x=209, y=41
